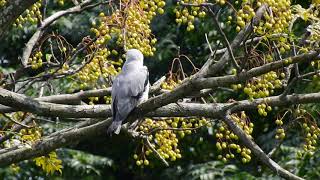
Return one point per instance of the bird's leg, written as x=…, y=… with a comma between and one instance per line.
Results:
x=134, y=125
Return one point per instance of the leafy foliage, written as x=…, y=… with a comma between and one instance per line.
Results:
x=49, y=163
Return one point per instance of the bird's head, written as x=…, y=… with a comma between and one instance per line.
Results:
x=134, y=56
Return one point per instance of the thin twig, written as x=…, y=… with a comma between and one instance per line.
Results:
x=209, y=45
x=48, y=21
x=15, y=129
x=286, y=127
x=227, y=43
x=155, y=151
x=16, y=122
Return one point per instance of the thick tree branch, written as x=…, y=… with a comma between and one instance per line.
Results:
x=70, y=136
x=195, y=84
x=27, y=104
x=224, y=81
x=76, y=134
x=210, y=68
x=21, y=102
x=53, y=142
x=76, y=98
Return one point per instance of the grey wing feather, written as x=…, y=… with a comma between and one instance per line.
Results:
x=126, y=89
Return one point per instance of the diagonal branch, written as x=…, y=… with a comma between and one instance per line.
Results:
x=48, y=21
x=210, y=68
x=156, y=152
x=78, y=133
x=53, y=142
x=15, y=128
x=257, y=151
x=227, y=43
x=15, y=121
x=195, y=84
x=21, y=102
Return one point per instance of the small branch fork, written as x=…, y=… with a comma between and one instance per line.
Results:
x=155, y=152
x=227, y=43
x=16, y=128
x=14, y=121
x=51, y=19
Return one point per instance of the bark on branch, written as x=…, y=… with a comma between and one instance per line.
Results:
x=53, y=142
x=21, y=102
x=76, y=98
x=196, y=84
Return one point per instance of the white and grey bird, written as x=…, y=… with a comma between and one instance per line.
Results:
x=129, y=89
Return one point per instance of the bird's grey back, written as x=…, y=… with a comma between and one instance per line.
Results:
x=126, y=89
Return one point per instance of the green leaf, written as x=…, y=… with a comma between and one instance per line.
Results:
x=48, y=57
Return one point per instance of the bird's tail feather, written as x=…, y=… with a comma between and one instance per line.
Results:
x=114, y=127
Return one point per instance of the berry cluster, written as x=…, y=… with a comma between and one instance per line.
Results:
x=130, y=26
x=3, y=3
x=244, y=16
x=107, y=99
x=99, y=66
x=187, y=15
x=93, y=99
x=139, y=36
x=36, y=60
x=170, y=84
x=49, y=163
x=263, y=108
x=25, y=136
x=276, y=19
x=227, y=141
x=312, y=132
x=127, y=27
x=32, y=15
x=262, y=86
x=142, y=160
x=280, y=133
x=31, y=135
x=163, y=136
x=65, y=67
x=316, y=66
x=164, y=141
